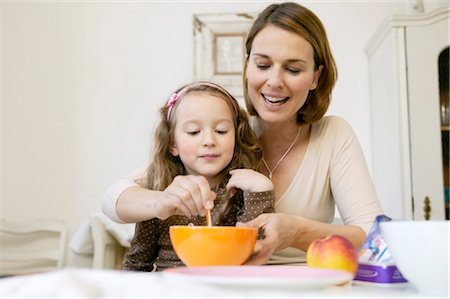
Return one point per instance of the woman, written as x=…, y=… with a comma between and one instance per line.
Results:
x=314, y=162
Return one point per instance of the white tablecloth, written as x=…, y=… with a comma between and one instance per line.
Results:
x=88, y=283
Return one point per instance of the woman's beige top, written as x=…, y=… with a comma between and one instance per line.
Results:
x=333, y=173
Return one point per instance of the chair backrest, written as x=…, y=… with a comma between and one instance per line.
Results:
x=108, y=252
x=32, y=246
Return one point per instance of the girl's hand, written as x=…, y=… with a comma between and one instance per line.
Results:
x=248, y=180
x=187, y=195
x=279, y=233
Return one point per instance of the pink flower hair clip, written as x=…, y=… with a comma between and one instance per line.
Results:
x=173, y=99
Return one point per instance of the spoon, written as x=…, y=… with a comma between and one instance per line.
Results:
x=208, y=217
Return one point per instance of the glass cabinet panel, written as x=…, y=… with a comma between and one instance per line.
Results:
x=444, y=99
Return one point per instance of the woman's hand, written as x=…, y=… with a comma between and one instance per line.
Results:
x=248, y=180
x=280, y=231
x=187, y=195
x=284, y=230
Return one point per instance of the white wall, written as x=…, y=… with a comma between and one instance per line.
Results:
x=81, y=82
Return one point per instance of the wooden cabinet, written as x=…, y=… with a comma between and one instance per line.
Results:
x=407, y=165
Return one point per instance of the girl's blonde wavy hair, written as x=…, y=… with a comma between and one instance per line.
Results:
x=165, y=167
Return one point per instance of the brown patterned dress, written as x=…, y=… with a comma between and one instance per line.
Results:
x=151, y=248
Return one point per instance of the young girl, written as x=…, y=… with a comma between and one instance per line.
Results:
x=204, y=137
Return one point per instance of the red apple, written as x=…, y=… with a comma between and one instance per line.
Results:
x=333, y=252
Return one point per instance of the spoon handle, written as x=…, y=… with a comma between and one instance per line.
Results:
x=208, y=217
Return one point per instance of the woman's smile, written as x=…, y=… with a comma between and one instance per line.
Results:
x=274, y=100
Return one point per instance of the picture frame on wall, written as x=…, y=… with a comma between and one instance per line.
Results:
x=228, y=51
x=219, y=48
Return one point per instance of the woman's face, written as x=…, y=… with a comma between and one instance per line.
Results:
x=280, y=73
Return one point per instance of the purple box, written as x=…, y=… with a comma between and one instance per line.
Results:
x=376, y=263
x=379, y=273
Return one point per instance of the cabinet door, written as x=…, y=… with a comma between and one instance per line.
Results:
x=424, y=44
x=390, y=130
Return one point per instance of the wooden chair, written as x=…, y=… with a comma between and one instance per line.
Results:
x=32, y=246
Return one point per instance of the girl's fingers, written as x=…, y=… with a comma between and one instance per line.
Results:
x=194, y=193
x=177, y=200
x=194, y=196
x=207, y=196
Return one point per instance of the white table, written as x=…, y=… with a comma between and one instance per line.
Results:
x=89, y=283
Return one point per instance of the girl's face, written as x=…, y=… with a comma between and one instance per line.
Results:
x=280, y=73
x=204, y=135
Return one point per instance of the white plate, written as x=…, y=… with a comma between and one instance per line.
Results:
x=301, y=277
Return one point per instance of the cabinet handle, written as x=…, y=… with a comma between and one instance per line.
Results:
x=427, y=208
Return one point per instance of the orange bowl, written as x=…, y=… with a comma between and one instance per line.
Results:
x=214, y=245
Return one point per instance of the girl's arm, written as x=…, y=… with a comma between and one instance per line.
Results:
x=259, y=196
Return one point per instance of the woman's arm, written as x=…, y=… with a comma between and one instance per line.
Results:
x=136, y=204
x=283, y=230
x=130, y=204
x=126, y=202
x=350, y=181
